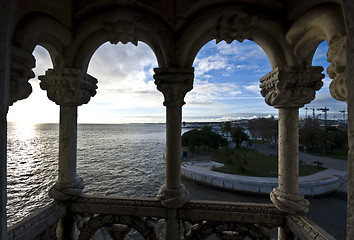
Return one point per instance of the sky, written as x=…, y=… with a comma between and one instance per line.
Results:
x=226, y=87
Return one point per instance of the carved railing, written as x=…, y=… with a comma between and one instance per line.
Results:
x=144, y=218
x=304, y=228
x=199, y=219
x=39, y=225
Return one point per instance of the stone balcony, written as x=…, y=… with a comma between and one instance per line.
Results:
x=116, y=217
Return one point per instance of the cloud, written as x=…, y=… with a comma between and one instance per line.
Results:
x=125, y=76
x=254, y=88
x=206, y=92
x=230, y=60
x=207, y=64
x=242, y=52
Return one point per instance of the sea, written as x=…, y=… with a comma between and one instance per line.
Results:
x=123, y=160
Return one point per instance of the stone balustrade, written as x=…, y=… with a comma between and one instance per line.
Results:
x=118, y=216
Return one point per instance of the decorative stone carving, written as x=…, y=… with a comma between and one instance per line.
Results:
x=174, y=83
x=291, y=86
x=237, y=27
x=226, y=230
x=289, y=203
x=337, y=56
x=68, y=86
x=141, y=225
x=120, y=32
x=303, y=228
x=22, y=63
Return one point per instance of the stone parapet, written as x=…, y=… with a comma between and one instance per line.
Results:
x=259, y=185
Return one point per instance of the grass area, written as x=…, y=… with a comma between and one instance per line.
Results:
x=258, y=165
x=337, y=153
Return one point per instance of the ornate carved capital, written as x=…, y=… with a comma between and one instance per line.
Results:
x=337, y=56
x=174, y=83
x=22, y=63
x=237, y=27
x=120, y=32
x=68, y=86
x=291, y=86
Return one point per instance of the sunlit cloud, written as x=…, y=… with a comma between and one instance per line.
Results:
x=125, y=72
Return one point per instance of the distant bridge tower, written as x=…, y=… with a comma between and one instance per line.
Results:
x=343, y=111
x=306, y=108
x=313, y=113
x=325, y=110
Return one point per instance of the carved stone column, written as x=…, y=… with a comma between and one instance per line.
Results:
x=68, y=88
x=174, y=84
x=348, y=8
x=288, y=89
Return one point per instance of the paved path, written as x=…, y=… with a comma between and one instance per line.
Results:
x=335, y=167
x=331, y=163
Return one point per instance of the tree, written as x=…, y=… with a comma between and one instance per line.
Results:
x=238, y=136
x=324, y=139
x=205, y=137
x=227, y=128
x=264, y=128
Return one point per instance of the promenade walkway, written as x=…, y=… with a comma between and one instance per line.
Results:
x=200, y=163
x=309, y=159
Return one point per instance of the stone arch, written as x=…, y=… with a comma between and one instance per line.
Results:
x=322, y=23
x=120, y=25
x=44, y=30
x=233, y=23
x=32, y=30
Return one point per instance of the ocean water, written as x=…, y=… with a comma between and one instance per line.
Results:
x=114, y=160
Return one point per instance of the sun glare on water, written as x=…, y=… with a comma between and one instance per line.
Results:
x=24, y=130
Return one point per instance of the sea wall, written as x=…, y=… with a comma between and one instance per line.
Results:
x=203, y=174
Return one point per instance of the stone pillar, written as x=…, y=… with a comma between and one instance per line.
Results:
x=288, y=89
x=348, y=8
x=174, y=84
x=4, y=89
x=68, y=88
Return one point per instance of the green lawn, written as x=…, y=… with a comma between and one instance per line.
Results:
x=337, y=153
x=259, y=165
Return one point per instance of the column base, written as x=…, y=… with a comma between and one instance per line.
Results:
x=173, y=198
x=65, y=191
x=289, y=202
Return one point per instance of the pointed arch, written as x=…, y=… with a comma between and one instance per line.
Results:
x=34, y=29
x=41, y=29
x=120, y=25
x=234, y=23
x=323, y=23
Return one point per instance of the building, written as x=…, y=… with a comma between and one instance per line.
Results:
x=289, y=31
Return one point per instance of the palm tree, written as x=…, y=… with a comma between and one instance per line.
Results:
x=227, y=128
x=238, y=136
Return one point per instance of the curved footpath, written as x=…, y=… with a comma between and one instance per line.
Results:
x=332, y=179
